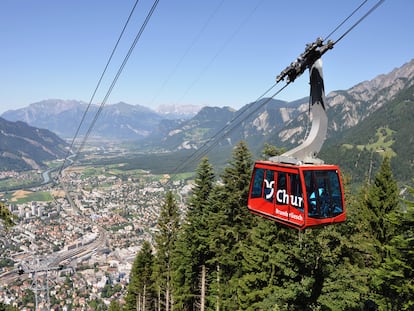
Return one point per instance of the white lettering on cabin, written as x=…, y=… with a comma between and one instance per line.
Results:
x=283, y=198
x=290, y=215
x=283, y=213
x=295, y=216
x=269, y=185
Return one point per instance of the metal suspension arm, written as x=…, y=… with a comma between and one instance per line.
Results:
x=308, y=150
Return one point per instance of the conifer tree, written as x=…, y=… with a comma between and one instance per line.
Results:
x=397, y=270
x=230, y=221
x=264, y=258
x=141, y=290
x=383, y=203
x=317, y=269
x=168, y=226
x=192, y=249
x=382, y=200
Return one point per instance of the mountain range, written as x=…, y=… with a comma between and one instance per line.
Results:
x=118, y=121
x=283, y=124
x=23, y=147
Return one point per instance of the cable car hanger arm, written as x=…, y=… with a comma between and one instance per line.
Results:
x=313, y=52
x=310, y=147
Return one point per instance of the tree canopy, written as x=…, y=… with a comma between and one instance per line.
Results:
x=221, y=257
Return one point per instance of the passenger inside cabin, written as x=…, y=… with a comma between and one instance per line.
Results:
x=319, y=204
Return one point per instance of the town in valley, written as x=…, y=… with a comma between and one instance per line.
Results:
x=75, y=240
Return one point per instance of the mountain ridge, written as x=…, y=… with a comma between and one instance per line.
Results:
x=124, y=121
x=24, y=147
x=115, y=121
x=280, y=123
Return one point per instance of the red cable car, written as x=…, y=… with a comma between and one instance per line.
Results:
x=299, y=196
x=297, y=189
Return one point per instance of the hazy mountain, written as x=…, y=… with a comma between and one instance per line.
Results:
x=171, y=127
x=172, y=112
x=24, y=147
x=254, y=122
x=276, y=122
x=282, y=123
x=63, y=117
x=365, y=121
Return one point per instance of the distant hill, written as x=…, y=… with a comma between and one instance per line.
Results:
x=386, y=131
x=367, y=121
x=23, y=147
x=255, y=123
x=283, y=123
x=119, y=121
x=357, y=119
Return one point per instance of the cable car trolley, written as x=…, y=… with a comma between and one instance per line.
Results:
x=297, y=189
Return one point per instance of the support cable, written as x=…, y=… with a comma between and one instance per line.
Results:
x=312, y=52
x=126, y=58
x=346, y=19
x=97, y=87
x=360, y=20
x=229, y=128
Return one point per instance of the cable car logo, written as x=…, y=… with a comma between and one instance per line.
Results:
x=269, y=185
x=283, y=198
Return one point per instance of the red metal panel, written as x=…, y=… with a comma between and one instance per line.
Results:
x=286, y=207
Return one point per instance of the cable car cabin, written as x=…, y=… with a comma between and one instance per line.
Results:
x=299, y=196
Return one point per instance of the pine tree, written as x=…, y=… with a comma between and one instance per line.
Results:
x=397, y=270
x=383, y=203
x=141, y=290
x=230, y=222
x=168, y=226
x=382, y=200
x=192, y=249
x=264, y=258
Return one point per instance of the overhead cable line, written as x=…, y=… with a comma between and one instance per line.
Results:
x=187, y=51
x=121, y=68
x=137, y=37
x=346, y=19
x=360, y=20
x=227, y=129
x=231, y=129
x=220, y=50
x=97, y=87
x=312, y=52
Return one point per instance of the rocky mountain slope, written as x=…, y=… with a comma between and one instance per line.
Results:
x=24, y=147
x=348, y=108
x=118, y=121
x=278, y=122
x=272, y=121
x=282, y=123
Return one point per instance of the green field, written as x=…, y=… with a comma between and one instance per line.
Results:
x=382, y=143
x=21, y=197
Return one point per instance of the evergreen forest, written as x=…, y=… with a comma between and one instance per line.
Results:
x=220, y=257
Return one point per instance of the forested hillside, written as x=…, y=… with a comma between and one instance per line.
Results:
x=387, y=131
x=219, y=257
x=24, y=147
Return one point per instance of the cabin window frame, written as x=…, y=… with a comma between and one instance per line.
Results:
x=323, y=193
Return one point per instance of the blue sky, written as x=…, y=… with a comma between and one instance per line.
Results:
x=215, y=52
